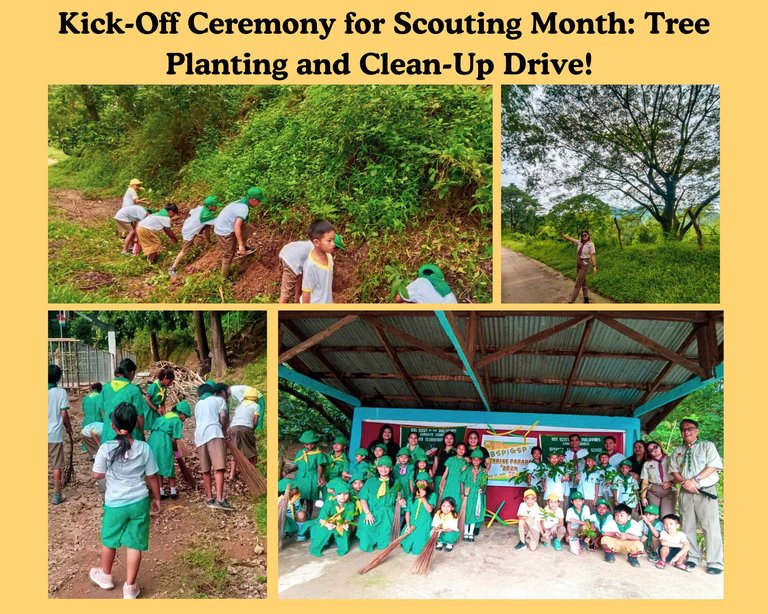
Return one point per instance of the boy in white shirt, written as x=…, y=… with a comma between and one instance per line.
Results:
x=552, y=522
x=149, y=228
x=211, y=418
x=317, y=282
x=58, y=422
x=622, y=535
x=199, y=220
x=554, y=476
x=674, y=544
x=577, y=515
x=652, y=528
x=528, y=517
x=626, y=487
x=127, y=218
x=232, y=228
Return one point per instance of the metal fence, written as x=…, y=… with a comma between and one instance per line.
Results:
x=81, y=364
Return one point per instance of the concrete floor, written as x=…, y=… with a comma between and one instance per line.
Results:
x=487, y=569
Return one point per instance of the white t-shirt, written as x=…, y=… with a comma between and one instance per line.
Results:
x=590, y=484
x=421, y=290
x=126, y=482
x=673, y=541
x=155, y=222
x=57, y=402
x=532, y=513
x=531, y=468
x=238, y=392
x=606, y=522
x=634, y=528
x=225, y=221
x=573, y=516
x=449, y=522
x=244, y=414
x=130, y=197
x=192, y=225
x=549, y=520
x=207, y=424
x=318, y=280
x=614, y=460
x=295, y=255
x=131, y=213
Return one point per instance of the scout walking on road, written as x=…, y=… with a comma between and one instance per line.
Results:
x=58, y=422
x=149, y=229
x=199, y=220
x=232, y=228
x=584, y=256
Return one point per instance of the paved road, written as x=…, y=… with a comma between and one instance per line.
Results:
x=524, y=280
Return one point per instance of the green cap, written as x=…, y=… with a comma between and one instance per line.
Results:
x=478, y=453
x=256, y=194
x=602, y=501
x=361, y=452
x=555, y=452
x=384, y=461
x=626, y=463
x=419, y=455
x=334, y=484
x=341, y=488
x=183, y=408
x=651, y=509
x=338, y=241
x=575, y=494
x=211, y=383
x=211, y=201
x=592, y=456
x=309, y=437
x=381, y=446
x=359, y=473
x=423, y=476
x=283, y=484
x=404, y=451
x=342, y=440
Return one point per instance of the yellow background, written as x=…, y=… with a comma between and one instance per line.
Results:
x=732, y=55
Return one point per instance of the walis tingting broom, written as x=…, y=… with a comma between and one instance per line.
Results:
x=379, y=558
x=69, y=472
x=424, y=560
x=282, y=511
x=252, y=476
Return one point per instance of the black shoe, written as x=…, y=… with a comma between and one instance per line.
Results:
x=633, y=561
x=653, y=557
x=477, y=531
x=174, y=495
x=609, y=557
x=449, y=547
x=714, y=571
x=520, y=546
x=438, y=546
x=163, y=496
x=586, y=299
x=691, y=565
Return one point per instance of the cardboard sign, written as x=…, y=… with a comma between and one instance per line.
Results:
x=509, y=455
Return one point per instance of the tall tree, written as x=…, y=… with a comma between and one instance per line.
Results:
x=201, y=342
x=657, y=145
x=519, y=210
x=219, y=361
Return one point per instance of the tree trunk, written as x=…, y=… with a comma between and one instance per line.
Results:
x=696, y=228
x=154, y=348
x=218, y=350
x=618, y=232
x=89, y=102
x=202, y=350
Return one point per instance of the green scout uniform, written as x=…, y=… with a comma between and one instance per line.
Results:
x=380, y=497
x=91, y=410
x=456, y=467
x=307, y=462
x=120, y=390
x=167, y=428
x=474, y=486
x=403, y=476
x=336, y=465
x=336, y=515
x=157, y=394
x=293, y=508
x=422, y=520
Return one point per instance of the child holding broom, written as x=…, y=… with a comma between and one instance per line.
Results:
x=241, y=429
x=418, y=514
x=167, y=431
x=334, y=522
x=93, y=421
x=128, y=466
x=58, y=422
x=211, y=417
x=309, y=470
x=295, y=517
x=446, y=520
x=377, y=499
x=473, y=486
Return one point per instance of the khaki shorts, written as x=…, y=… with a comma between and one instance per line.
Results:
x=212, y=455
x=149, y=241
x=228, y=244
x=56, y=455
x=621, y=546
x=287, y=283
x=124, y=228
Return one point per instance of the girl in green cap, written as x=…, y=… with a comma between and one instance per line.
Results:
x=377, y=498
x=156, y=395
x=455, y=467
x=334, y=522
x=418, y=514
x=473, y=487
x=362, y=467
x=403, y=472
x=163, y=442
x=121, y=390
x=337, y=463
x=294, y=515
x=309, y=470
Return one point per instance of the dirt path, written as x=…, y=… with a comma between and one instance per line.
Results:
x=489, y=568
x=524, y=280
x=185, y=526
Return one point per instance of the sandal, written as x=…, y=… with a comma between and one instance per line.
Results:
x=661, y=564
x=681, y=567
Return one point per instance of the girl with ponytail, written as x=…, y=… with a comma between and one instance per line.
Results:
x=130, y=471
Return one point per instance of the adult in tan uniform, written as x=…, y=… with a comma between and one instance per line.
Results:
x=695, y=466
x=584, y=256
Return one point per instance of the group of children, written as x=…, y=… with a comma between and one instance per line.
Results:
x=133, y=437
x=306, y=266
x=369, y=500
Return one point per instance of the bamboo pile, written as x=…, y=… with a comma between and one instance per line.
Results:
x=184, y=386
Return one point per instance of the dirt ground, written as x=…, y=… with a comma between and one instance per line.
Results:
x=524, y=280
x=489, y=568
x=183, y=525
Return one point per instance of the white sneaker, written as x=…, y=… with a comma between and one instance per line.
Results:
x=101, y=579
x=131, y=591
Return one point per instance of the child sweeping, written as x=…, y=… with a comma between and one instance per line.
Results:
x=241, y=429
x=309, y=470
x=446, y=520
x=128, y=466
x=93, y=420
x=163, y=441
x=377, y=499
x=473, y=486
x=334, y=522
x=418, y=514
x=295, y=517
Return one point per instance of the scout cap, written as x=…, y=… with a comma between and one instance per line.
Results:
x=361, y=452
x=419, y=455
x=555, y=496
x=381, y=446
x=135, y=181
x=384, y=461
x=651, y=509
x=342, y=440
x=256, y=194
x=283, y=484
x=338, y=242
x=211, y=201
x=342, y=488
x=626, y=463
x=358, y=473
x=529, y=493
x=404, y=451
x=602, y=501
x=308, y=437
x=211, y=383
x=183, y=408
x=251, y=394
x=334, y=484
x=476, y=454
x=423, y=476
x=575, y=494
x=555, y=452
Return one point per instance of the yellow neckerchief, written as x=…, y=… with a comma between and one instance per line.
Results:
x=119, y=383
x=170, y=414
x=305, y=455
x=337, y=519
x=358, y=507
x=161, y=390
x=418, y=508
x=336, y=459
x=291, y=503
x=382, y=487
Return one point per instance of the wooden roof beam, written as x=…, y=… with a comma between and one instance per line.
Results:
x=398, y=365
x=577, y=361
x=315, y=339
